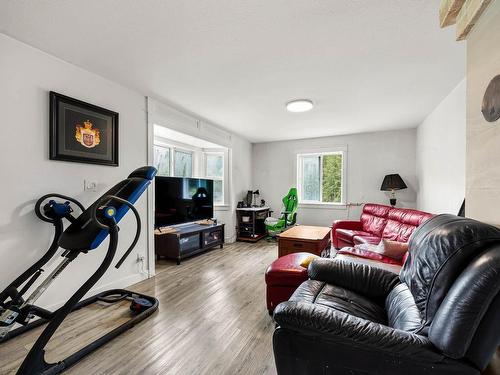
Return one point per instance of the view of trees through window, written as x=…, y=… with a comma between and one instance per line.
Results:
x=214, y=169
x=332, y=178
x=183, y=164
x=162, y=160
x=320, y=177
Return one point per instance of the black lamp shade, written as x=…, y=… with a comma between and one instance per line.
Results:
x=393, y=182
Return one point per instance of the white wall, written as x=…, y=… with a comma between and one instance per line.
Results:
x=483, y=138
x=441, y=155
x=26, y=77
x=370, y=157
x=240, y=175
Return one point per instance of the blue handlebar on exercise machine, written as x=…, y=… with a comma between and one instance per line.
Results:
x=84, y=233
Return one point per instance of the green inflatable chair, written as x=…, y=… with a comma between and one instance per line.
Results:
x=288, y=216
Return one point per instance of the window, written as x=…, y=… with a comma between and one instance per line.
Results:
x=183, y=163
x=214, y=169
x=162, y=160
x=320, y=177
x=179, y=160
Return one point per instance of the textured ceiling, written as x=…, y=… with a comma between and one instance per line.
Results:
x=368, y=65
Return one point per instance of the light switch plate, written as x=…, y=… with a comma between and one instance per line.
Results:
x=89, y=185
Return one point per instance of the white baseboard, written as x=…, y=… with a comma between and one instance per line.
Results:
x=230, y=239
x=120, y=283
x=116, y=284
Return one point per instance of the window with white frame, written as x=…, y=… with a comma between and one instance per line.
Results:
x=180, y=165
x=180, y=161
x=162, y=160
x=214, y=169
x=321, y=177
x=183, y=163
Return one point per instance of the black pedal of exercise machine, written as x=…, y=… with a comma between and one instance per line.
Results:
x=138, y=302
x=138, y=305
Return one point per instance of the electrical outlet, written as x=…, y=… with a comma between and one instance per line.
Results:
x=89, y=185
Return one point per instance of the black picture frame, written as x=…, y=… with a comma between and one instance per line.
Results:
x=82, y=132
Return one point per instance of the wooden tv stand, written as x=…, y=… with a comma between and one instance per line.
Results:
x=188, y=239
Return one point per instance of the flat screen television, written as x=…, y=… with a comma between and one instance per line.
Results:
x=182, y=199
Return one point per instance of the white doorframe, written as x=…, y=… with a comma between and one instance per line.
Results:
x=151, y=195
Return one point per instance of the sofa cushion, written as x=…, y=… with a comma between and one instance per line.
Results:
x=346, y=257
x=439, y=251
x=368, y=254
x=374, y=218
x=467, y=322
x=402, y=222
x=347, y=235
x=287, y=271
x=402, y=312
x=409, y=216
x=369, y=240
x=339, y=299
x=386, y=251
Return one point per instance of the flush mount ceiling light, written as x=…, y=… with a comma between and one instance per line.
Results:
x=299, y=105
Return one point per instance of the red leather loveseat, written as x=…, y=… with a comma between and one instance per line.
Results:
x=377, y=221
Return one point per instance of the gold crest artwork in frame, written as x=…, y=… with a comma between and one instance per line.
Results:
x=82, y=132
x=87, y=136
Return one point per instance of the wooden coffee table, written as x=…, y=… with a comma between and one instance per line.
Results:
x=303, y=238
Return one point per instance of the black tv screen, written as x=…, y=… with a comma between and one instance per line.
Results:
x=182, y=199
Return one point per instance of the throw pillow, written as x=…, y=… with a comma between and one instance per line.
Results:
x=309, y=259
x=392, y=249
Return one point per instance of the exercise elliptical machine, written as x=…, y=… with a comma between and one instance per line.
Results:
x=85, y=233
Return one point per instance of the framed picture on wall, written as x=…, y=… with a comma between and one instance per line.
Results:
x=82, y=132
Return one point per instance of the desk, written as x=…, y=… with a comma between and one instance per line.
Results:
x=250, y=221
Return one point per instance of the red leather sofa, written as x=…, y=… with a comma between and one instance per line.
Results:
x=377, y=221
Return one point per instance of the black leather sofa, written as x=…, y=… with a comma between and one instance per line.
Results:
x=440, y=315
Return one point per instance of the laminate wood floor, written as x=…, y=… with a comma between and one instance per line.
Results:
x=212, y=319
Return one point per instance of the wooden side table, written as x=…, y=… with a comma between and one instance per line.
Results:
x=303, y=238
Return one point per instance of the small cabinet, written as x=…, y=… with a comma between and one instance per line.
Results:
x=212, y=238
x=189, y=242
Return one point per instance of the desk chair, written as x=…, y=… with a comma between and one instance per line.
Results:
x=288, y=216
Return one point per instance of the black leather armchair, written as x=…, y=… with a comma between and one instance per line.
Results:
x=441, y=315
